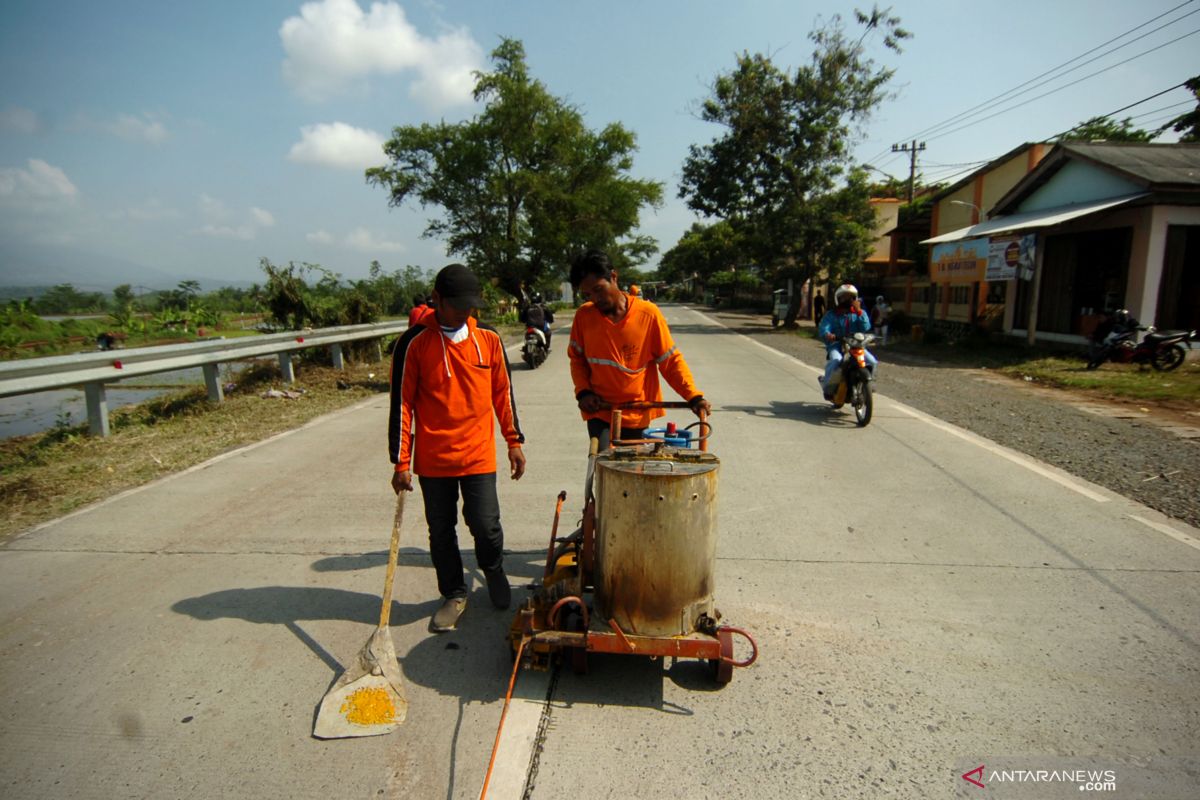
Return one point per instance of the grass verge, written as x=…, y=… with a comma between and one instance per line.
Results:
x=47, y=475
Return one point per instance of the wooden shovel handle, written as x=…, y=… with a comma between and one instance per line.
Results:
x=393, y=554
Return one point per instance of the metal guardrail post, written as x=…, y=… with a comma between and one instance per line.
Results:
x=285, y=368
x=97, y=408
x=336, y=352
x=212, y=381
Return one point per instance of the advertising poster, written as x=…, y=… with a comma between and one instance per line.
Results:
x=959, y=262
x=1009, y=256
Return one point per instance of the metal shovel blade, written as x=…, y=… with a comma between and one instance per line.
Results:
x=368, y=699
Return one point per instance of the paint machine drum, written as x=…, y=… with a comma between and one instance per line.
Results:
x=656, y=539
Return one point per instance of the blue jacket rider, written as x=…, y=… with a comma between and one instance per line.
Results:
x=844, y=319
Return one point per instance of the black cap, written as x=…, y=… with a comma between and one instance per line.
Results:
x=459, y=287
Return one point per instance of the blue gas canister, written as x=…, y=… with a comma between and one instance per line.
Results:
x=671, y=435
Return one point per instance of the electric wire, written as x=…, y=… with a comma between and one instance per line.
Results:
x=1009, y=95
x=1122, y=108
x=1006, y=94
x=1060, y=88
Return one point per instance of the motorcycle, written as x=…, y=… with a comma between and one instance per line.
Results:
x=534, y=351
x=1162, y=350
x=852, y=379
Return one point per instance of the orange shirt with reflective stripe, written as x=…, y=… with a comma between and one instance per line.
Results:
x=620, y=361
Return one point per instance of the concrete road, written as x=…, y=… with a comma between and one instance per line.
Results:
x=925, y=602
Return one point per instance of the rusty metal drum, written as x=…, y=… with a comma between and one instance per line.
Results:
x=656, y=539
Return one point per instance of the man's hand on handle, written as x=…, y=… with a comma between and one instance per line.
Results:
x=590, y=402
x=698, y=404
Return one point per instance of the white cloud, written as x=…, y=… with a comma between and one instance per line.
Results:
x=152, y=210
x=334, y=43
x=221, y=223
x=338, y=145
x=242, y=232
x=40, y=184
x=363, y=240
x=19, y=120
x=135, y=129
x=212, y=208
x=319, y=237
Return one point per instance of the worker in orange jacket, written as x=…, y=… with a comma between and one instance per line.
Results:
x=450, y=377
x=619, y=344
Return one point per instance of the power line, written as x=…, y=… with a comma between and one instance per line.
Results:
x=1009, y=95
x=1064, y=86
x=1122, y=108
x=1164, y=108
x=1005, y=94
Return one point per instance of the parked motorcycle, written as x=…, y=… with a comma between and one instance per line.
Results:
x=852, y=379
x=1163, y=350
x=534, y=351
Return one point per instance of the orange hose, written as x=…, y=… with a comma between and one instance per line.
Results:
x=503, y=713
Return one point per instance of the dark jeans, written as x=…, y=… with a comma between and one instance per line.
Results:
x=599, y=429
x=481, y=512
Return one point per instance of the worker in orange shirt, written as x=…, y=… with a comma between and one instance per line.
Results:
x=450, y=376
x=619, y=345
x=422, y=307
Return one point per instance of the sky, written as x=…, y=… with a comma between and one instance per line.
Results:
x=154, y=142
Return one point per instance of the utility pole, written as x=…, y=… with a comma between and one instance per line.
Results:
x=911, y=149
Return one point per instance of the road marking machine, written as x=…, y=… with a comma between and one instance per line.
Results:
x=637, y=576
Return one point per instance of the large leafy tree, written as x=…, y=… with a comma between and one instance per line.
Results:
x=523, y=185
x=781, y=173
x=1106, y=129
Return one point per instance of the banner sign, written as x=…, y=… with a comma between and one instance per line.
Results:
x=1008, y=255
x=959, y=262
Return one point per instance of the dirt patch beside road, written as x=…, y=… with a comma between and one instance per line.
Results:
x=1147, y=452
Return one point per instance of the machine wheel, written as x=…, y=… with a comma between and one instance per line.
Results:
x=1168, y=359
x=723, y=666
x=863, y=403
x=774, y=321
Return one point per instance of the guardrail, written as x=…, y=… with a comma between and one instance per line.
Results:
x=94, y=370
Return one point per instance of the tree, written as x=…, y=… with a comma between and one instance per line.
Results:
x=523, y=185
x=64, y=298
x=701, y=252
x=1188, y=123
x=1106, y=129
x=781, y=173
x=122, y=297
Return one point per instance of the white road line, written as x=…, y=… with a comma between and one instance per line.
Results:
x=1003, y=452
x=514, y=753
x=996, y=449
x=1178, y=536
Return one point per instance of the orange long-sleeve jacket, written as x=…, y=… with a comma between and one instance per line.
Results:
x=443, y=397
x=620, y=361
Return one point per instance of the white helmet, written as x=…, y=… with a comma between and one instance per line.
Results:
x=846, y=289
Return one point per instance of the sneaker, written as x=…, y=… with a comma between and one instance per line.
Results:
x=446, y=618
x=498, y=588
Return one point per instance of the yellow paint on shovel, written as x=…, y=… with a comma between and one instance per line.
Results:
x=370, y=706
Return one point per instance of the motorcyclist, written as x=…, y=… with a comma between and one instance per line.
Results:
x=536, y=315
x=844, y=319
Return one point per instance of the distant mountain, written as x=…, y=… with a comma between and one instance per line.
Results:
x=27, y=267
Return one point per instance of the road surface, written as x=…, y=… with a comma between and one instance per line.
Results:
x=926, y=603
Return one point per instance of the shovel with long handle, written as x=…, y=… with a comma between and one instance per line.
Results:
x=368, y=699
